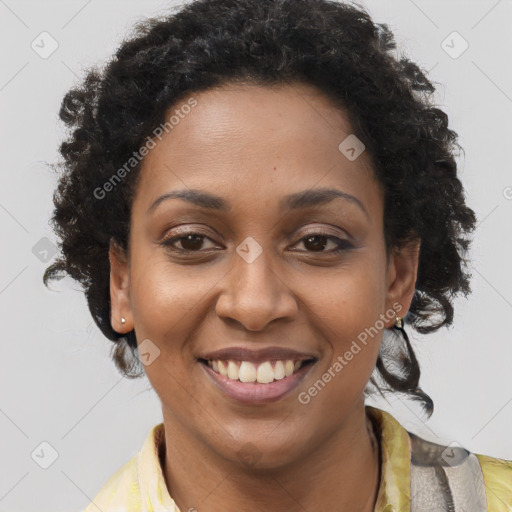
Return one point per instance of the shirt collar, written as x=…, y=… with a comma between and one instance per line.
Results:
x=153, y=489
x=395, y=446
x=395, y=451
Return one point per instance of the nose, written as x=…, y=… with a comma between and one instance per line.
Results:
x=254, y=294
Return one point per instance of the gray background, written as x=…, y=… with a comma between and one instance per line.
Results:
x=58, y=383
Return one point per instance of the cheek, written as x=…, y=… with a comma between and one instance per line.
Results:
x=164, y=296
x=347, y=309
x=351, y=298
x=165, y=306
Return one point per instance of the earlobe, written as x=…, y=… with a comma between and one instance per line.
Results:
x=120, y=307
x=402, y=275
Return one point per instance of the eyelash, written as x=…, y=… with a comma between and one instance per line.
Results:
x=342, y=245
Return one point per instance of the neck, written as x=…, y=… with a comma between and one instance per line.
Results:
x=343, y=473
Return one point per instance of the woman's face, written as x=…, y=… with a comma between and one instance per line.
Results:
x=261, y=272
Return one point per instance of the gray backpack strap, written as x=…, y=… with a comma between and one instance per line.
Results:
x=445, y=478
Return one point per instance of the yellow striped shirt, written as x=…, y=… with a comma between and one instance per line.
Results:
x=416, y=475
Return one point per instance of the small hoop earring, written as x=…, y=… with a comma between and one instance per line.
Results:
x=399, y=321
x=123, y=320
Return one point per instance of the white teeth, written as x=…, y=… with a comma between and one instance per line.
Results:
x=233, y=370
x=222, y=368
x=279, y=372
x=246, y=371
x=265, y=373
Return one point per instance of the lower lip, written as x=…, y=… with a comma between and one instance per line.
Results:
x=253, y=392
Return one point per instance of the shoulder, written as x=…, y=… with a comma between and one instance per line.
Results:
x=497, y=475
x=137, y=483
x=495, y=467
x=459, y=478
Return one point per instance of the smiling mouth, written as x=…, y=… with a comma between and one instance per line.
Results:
x=265, y=372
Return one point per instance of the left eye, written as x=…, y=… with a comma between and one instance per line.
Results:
x=317, y=240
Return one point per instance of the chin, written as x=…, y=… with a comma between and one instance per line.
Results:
x=261, y=454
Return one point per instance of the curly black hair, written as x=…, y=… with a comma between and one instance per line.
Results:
x=207, y=43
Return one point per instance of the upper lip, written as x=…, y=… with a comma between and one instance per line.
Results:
x=256, y=356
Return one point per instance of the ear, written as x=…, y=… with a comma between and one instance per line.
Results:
x=120, y=304
x=401, y=278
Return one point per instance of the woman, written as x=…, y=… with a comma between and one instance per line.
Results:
x=257, y=197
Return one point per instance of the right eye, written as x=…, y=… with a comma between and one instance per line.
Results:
x=190, y=242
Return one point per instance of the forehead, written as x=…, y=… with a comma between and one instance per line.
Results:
x=250, y=143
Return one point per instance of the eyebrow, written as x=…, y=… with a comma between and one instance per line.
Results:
x=305, y=199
